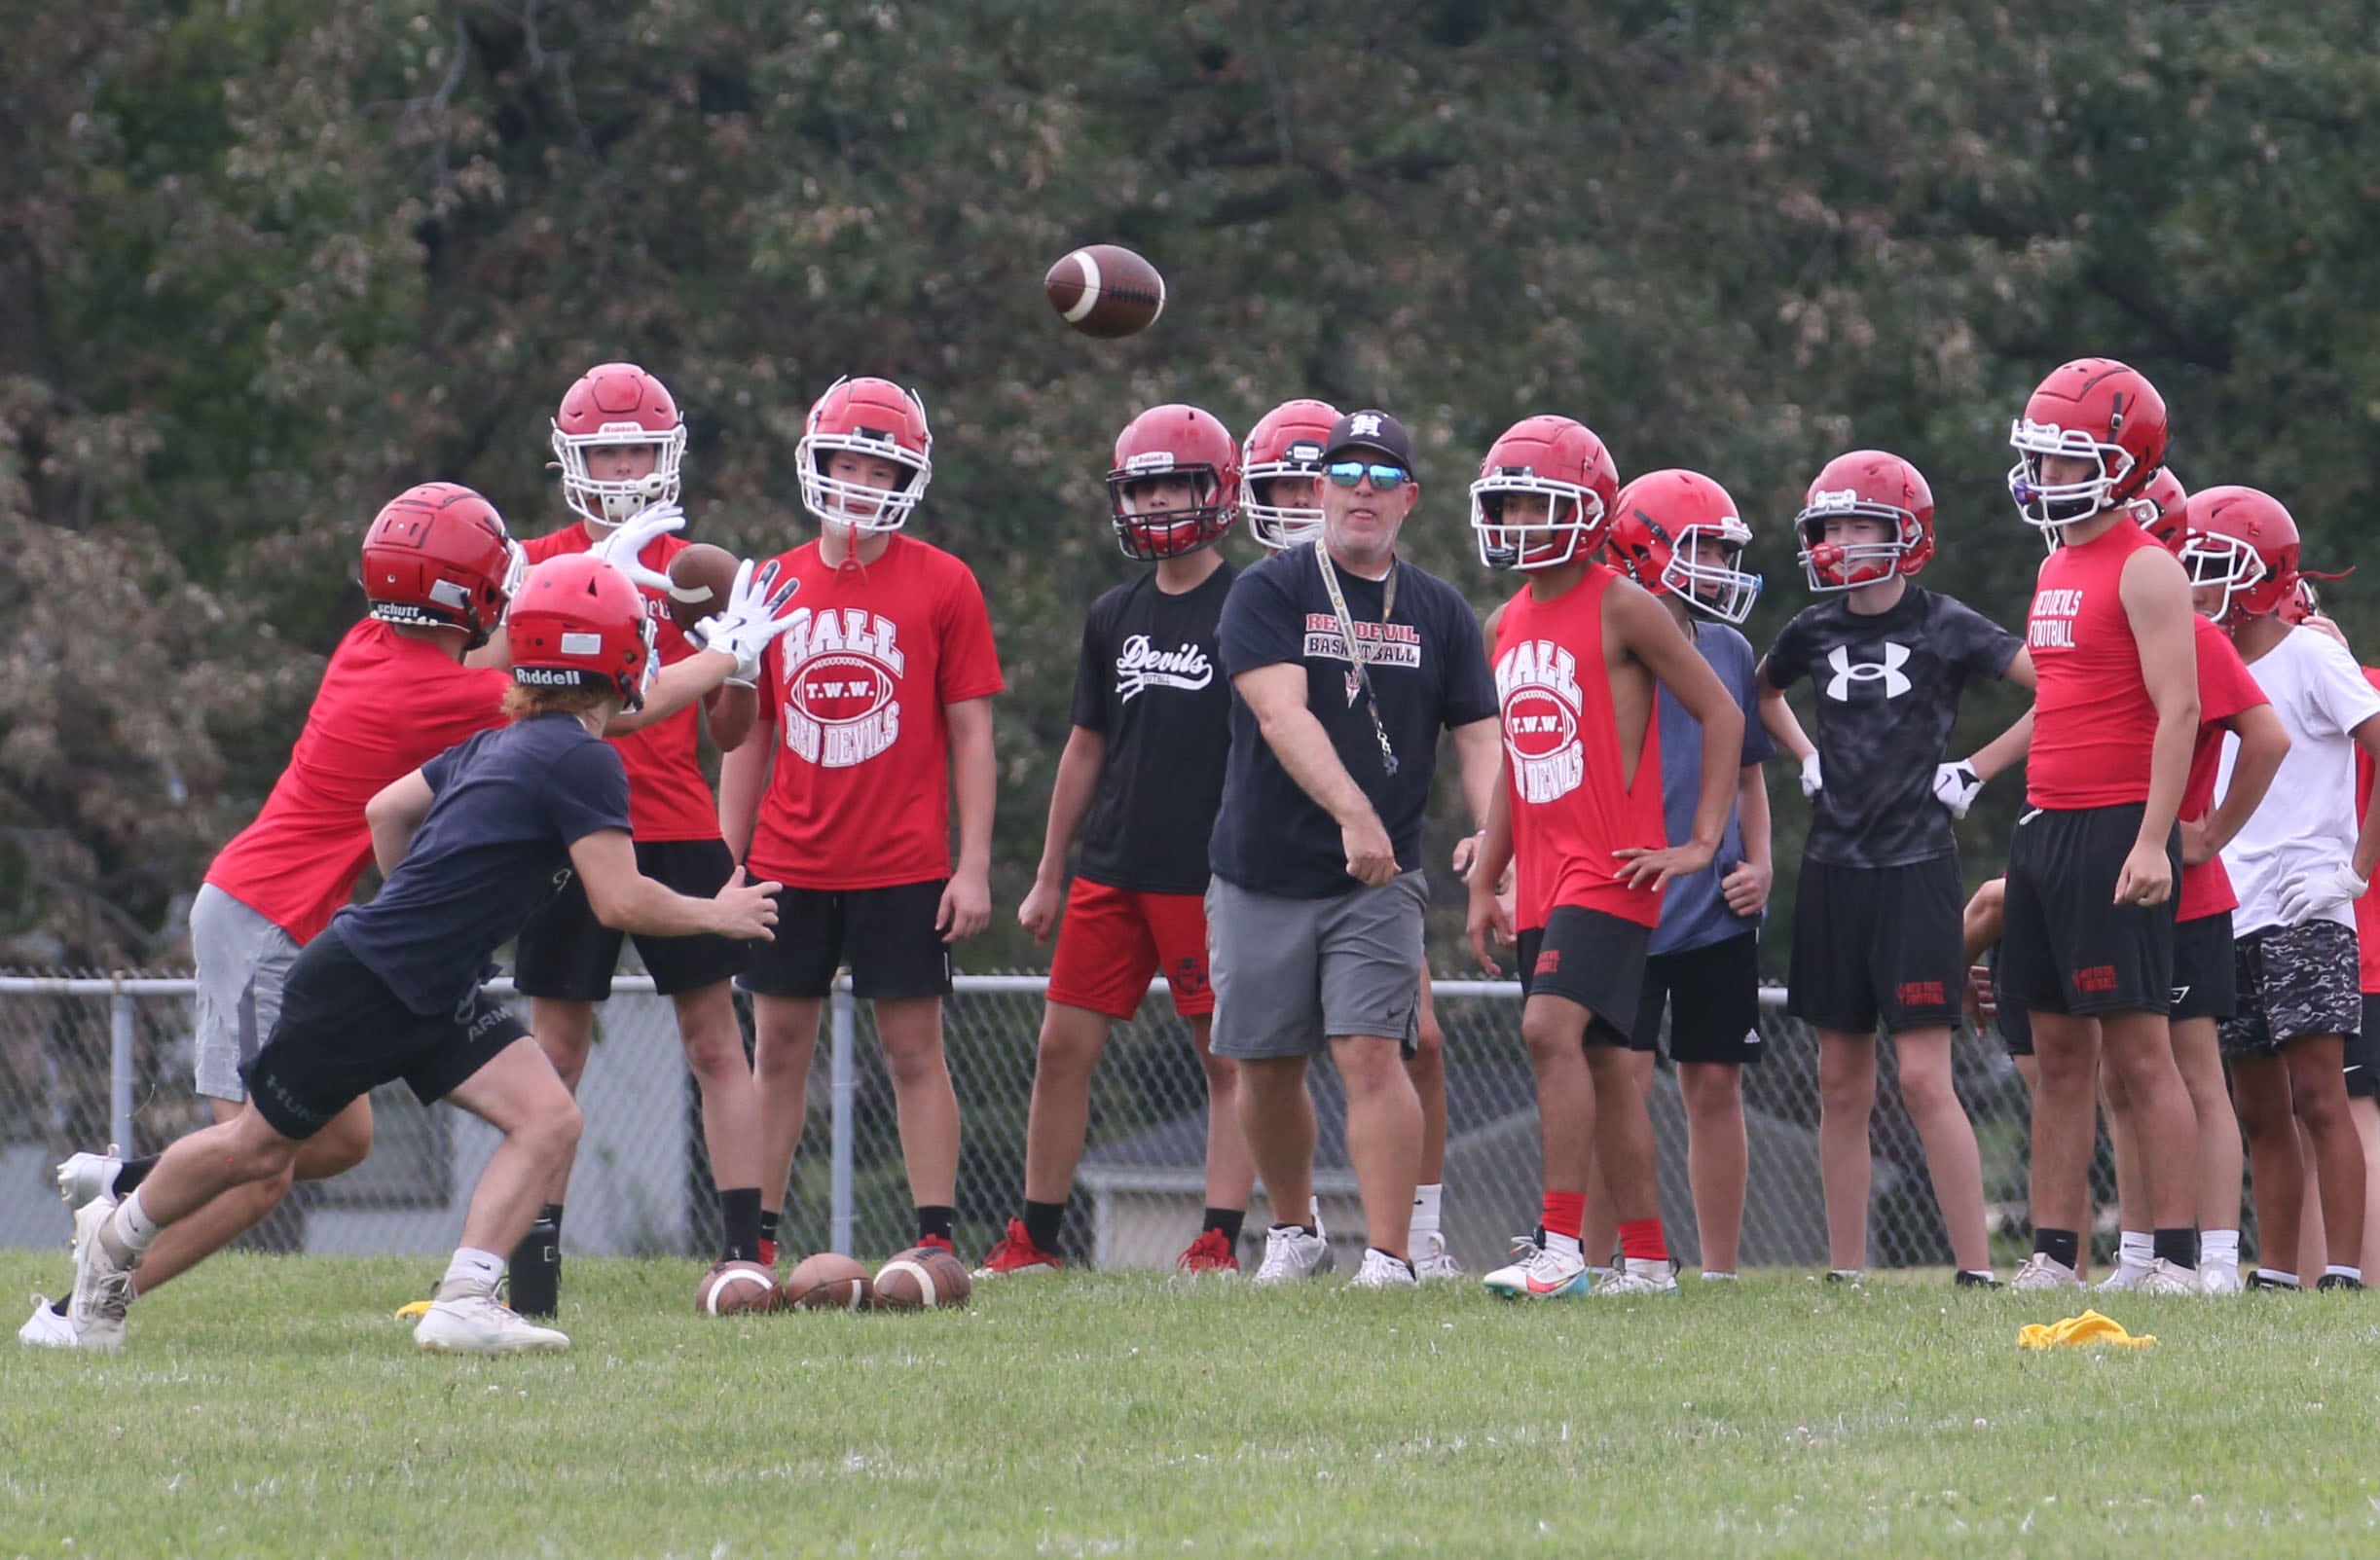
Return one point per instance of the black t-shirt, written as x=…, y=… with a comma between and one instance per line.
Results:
x=1429, y=672
x=1150, y=682
x=1887, y=690
x=497, y=845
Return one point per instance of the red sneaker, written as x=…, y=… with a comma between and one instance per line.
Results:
x=942, y=1241
x=1015, y=1253
x=768, y=1254
x=1210, y=1253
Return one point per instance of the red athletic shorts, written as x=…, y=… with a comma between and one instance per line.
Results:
x=1114, y=941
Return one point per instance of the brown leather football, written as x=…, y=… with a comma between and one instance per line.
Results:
x=830, y=1281
x=700, y=577
x=736, y=1287
x=1105, y=290
x=921, y=1277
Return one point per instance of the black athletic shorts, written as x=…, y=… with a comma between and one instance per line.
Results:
x=1713, y=996
x=886, y=936
x=1596, y=961
x=2066, y=946
x=1878, y=943
x=2206, y=972
x=2363, y=1054
x=564, y=952
x=343, y=1033
x=2296, y=983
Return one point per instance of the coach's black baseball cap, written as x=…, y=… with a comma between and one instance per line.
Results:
x=1369, y=431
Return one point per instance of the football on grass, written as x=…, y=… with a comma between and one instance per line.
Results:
x=736, y=1287
x=700, y=577
x=1105, y=290
x=829, y=1282
x=921, y=1277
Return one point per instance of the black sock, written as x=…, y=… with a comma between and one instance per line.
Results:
x=934, y=1223
x=2058, y=1245
x=768, y=1223
x=131, y=1173
x=1042, y=1222
x=740, y=1212
x=1227, y=1220
x=2178, y=1246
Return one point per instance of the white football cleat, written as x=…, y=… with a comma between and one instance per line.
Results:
x=475, y=1323
x=103, y=1280
x=2042, y=1271
x=1381, y=1271
x=1433, y=1263
x=2219, y=1278
x=1539, y=1273
x=1290, y=1253
x=46, y=1329
x=1638, y=1276
x=2162, y=1276
x=84, y=1178
x=2127, y=1276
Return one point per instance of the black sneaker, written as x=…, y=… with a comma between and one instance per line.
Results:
x=1963, y=1280
x=2259, y=1278
x=2337, y=1280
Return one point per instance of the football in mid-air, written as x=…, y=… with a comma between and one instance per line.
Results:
x=734, y=1287
x=699, y=578
x=921, y=1277
x=1105, y=290
x=829, y=1282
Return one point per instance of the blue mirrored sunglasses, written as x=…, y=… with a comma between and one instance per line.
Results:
x=1347, y=473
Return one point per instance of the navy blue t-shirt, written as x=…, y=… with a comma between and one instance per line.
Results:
x=497, y=845
x=1694, y=913
x=1429, y=672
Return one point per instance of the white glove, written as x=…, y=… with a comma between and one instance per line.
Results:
x=2303, y=898
x=749, y=624
x=623, y=547
x=1811, y=781
x=1957, y=786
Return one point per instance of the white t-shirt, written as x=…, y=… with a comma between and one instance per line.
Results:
x=2307, y=824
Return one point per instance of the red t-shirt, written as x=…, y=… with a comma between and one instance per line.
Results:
x=2368, y=908
x=2094, y=723
x=2225, y=688
x=668, y=798
x=1571, y=808
x=858, y=795
x=387, y=706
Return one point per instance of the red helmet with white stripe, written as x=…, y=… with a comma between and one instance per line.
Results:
x=615, y=404
x=579, y=623
x=1286, y=443
x=438, y=555
x=876, y=419
x=1870, y=485
x=1560, y=469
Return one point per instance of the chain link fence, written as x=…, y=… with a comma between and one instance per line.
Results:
x=88, y=1062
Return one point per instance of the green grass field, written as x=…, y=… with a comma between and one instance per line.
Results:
x=272, y=1406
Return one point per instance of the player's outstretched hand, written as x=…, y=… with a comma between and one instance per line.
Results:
x=2302, y=898
x=747, y=910
x=1489, y=915
x=2146, y=879
x=1957, y=786
x=1813, y=781
x=1039, y=914
x=1746, y=888
x=622, y=549
x=1372, y=859
x=1650, y=869
x=747, y=625
x=966, y=908
x=1981, y=1004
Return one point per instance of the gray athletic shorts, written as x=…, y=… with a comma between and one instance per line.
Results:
x=1290, y=974
x=242, y=962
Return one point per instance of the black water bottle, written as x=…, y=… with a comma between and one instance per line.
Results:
x=536, y=1271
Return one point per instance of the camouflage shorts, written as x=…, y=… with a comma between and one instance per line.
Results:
x=2294, y=981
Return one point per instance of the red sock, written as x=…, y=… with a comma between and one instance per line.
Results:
x=1564, y=1212
x=1640, y=1240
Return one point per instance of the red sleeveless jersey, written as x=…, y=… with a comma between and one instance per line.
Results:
x=1571, y=805
x=2094, y=724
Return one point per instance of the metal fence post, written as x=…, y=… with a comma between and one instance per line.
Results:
x=843, y=1087
x=120, y=1068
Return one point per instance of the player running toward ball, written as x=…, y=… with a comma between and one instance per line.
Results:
x=873, y=710
x=470, y=843
x=1580, y=653
x=1139, y=781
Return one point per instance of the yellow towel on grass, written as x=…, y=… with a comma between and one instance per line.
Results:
x=2075, y=1332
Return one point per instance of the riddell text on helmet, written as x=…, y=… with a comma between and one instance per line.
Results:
x=548, y=676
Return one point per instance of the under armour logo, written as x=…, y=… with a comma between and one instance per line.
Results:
x=1364, y=425
x=1895, y=684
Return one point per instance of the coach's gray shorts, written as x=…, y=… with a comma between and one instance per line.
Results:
x=242, y=962
x=1291, y=973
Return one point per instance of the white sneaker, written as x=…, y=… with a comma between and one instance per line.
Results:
x=46, y=1329
x=475, y=1323
x=1432, y=1262
x=2042, y=1271
x=1290, y=1253
x=102, y=1282
x=2127, y=1276
x=1539, y=1273
x=2219, y=1278
x=2162, y=1276
x=1639, y=1275
x=84, y=1178
x=1381, y=1271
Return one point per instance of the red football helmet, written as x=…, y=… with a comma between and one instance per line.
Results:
x=1286, y=442
x=439, y=555
x=2097, y=409
x=1562, y=463
x=1871, y=485
x=1168, y=441
x=2159, y=509
x=873, y=417
x=1677, y=532
x=579, y=624
x=2302, y=603
x=614, y=404
x=2245, y=542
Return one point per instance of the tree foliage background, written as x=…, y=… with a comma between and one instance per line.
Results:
x=263, y=263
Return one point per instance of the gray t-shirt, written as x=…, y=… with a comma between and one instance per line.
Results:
x=1694, y=913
